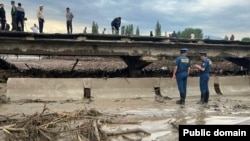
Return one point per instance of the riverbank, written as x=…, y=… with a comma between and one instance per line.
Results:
x=146, y=118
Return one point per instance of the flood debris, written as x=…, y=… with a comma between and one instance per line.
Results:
x=217, y=86
x=159, y=97
x=25, y=101
x=48, y=125
x=78, y=125
x=4, y=99
x=102, y=67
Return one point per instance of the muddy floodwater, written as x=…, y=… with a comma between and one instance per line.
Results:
x=160, y=119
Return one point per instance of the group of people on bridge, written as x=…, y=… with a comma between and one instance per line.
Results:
x=18, y=18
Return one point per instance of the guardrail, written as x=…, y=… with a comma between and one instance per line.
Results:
x=111, y=37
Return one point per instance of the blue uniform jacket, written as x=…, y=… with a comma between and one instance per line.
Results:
x=183, y=63
x=207, y=65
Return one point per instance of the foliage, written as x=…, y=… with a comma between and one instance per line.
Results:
x=94, y=28
x=245, y=39
x=123, y=30
x=127, y=30
x=188, y=31
x=137, y=31
x=158, y=29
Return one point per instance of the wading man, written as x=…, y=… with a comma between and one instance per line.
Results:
x=180, y=73
x=204, y=69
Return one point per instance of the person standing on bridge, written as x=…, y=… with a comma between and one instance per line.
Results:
x=13, y=16
x=40, y=17
x=20, y=17
x=2, y=17
x=180, y=73
x=204, y=69
x=69, y=17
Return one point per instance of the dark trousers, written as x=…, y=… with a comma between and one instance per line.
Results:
x=41, y=21
x=115, y=30
x=182, y=82
x=69, y=27
x=3, y=24
x=20, y=24
x=204, y=78
x=14, y=23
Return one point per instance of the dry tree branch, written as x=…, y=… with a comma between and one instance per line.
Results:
x=128, y=131
x=96, y=130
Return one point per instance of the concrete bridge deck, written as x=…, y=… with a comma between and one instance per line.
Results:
x=113, y=45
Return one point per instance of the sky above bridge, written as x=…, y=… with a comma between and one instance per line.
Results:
x=215, y=17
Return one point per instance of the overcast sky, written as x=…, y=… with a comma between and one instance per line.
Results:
x=214, y=17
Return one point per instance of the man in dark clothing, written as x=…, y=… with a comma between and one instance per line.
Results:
x=115, y=25
x=180, y=73
x=13, y=16
x=2, y=16
x=20, y=17
x=69, y=17
x=174, y=35
x=204, y=69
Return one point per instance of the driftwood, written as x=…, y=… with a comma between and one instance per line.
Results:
x=24, y=101
x=78, y=125
x=123, y=122
x=47, y=125
x=132, y=138
x=96, y=131
x=128, y=131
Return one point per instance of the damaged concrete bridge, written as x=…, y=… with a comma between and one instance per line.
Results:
x=136, y=51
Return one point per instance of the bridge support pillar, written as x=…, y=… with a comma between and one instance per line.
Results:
x=135, y=65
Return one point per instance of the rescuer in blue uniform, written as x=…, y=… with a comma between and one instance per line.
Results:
x=204, y=69
x=180, y=73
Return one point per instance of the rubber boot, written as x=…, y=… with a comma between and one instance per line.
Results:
x=182, y=99
x=179, y=101
x=206, y=97
x=202, y=101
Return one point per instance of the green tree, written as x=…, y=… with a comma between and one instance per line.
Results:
x=137, y=31
x=178, y=34
x=123, y=30
x=245, y=39
x=188, y=31
x=129, y=30
x=94, y=28
x=158, y=29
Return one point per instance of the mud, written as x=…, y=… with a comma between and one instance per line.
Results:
x=161, y=120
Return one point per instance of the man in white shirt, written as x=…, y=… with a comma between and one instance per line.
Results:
x=40, y=17
x=192, y=36
x=35, y=28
